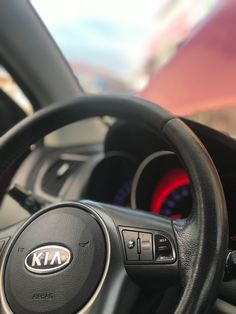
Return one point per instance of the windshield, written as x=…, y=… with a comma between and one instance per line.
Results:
x=116, y=45
x=125, y=46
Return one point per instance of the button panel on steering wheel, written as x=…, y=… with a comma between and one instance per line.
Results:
x=147, y=247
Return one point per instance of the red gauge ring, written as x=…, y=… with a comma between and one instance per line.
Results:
x=173, y=180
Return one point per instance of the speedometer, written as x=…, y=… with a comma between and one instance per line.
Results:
x=162, y=186
x=111, y=179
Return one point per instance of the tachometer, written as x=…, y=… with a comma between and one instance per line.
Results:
x=162, y=186
x=172, y=195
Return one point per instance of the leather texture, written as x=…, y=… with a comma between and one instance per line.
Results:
x=203, y=237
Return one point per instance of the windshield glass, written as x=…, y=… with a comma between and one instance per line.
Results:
x=116, y=45
x=127, y=46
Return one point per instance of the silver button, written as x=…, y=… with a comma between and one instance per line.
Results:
x=131, y=244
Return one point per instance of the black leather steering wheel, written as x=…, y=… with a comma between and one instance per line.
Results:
x=92, y=258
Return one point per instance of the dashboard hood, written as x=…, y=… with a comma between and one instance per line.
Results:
x=201, y=75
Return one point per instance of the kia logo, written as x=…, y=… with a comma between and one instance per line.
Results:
x=48, y=259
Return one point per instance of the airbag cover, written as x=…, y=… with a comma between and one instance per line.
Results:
x=58, y=291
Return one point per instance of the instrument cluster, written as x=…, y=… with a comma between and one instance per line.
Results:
x=159, y=184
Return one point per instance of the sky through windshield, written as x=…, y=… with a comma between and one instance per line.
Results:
x=116, y=45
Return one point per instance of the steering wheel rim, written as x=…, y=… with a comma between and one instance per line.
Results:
x=202, y=238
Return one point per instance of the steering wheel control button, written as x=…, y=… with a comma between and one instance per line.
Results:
x=164, y=248
x=143, y=247
x=161, y=240
x=61, y=264
x=146, y=246
x=164, y=251
x=131, y=248
x=131, y=244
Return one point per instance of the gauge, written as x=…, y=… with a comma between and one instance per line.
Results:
x=111, y=180
x=172, y=195
x=122, y=195
x=162, y=186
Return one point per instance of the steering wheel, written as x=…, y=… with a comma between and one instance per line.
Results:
x=88, y=257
